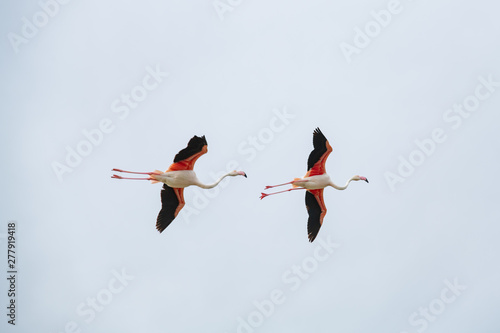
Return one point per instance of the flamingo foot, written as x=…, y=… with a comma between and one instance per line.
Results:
x=116, y=176
x=263, y=195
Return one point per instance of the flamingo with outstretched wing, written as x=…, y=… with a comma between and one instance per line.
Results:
x=179, y=175
x=315, y=180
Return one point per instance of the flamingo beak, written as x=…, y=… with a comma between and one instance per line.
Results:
x=366, y=180
x=242, y=173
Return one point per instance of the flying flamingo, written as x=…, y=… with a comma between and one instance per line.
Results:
x=315, y=180
x=178, y=176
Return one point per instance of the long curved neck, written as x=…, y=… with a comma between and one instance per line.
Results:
x=341, y=187
x=207, y=186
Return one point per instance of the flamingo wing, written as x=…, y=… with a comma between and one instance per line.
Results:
x=172, y=201
x=317, y=210
x=185, y=159
x=317, y=158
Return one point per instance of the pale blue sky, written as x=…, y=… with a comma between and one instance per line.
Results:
x=256, y=78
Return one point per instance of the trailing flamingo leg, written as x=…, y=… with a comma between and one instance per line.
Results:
x=120, y=177
x=140, y=173
x=271, y=186
x=263, y=195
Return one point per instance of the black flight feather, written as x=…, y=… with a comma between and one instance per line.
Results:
x=319, y=143
x=195, y=145
x=169, y=203
x=314, y=210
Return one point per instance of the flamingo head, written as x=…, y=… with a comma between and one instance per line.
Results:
x=360, y=178
x=237, y=173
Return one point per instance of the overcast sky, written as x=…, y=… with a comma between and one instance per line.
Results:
x=407, y=93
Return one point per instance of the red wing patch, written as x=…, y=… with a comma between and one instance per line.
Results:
x=179, y=192
x=317, y=158
x=188, y=163
x=319, y=167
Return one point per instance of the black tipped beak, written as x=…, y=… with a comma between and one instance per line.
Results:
x=245, y=175
x=366, y=180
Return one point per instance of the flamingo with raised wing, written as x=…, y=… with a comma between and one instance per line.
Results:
x=179, y=175
x=315, y=180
